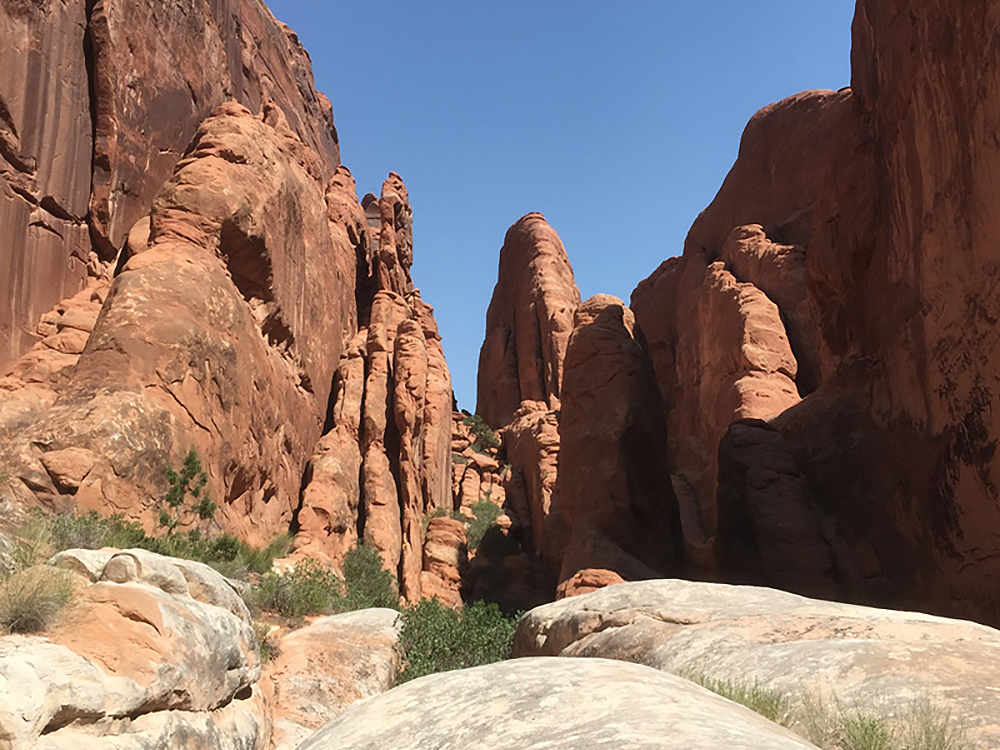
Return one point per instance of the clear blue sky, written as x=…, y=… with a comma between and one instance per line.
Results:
x=618, y=121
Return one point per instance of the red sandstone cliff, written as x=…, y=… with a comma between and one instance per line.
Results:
x=862, y=220
x=190, y=268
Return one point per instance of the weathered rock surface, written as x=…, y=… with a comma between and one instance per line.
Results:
x=97, y=104
x=324, y=667
x=551, y=703
x=613, y=479
x=221, y=333
x=528, y=323
x=769, y=516
x=532, y=444
x=44, y=165
x=847, y=205
x=147, y=662
x=446, y=559
x=805, y=647
x=384, y=464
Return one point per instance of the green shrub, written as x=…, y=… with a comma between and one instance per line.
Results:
x=483, y=436
x=42, y=535
x=866, y=732
x=31, y=599
x=435, y=638
x=32, y=541
x=313, y=589
x=190, y=480
x=94, y=531
x=832, y=726
x=485, y=515
x=308, y=589
x=366, y=582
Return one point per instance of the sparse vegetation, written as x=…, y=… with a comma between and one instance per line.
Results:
x=32, y=598
x=43, y=535
x=366, y=582
x=268, y=648
x=435, y=638
x=485, y=515
x=190, y=480
x=833, y=726
x=32, y=594
x=483, y=436
x=771, y=704
x=311, y=588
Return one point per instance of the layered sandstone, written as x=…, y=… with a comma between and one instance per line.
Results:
x=98, y=102
x=221, y=332
x=615, y=491
x=528, y=322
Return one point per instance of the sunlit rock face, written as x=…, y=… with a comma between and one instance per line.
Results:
x=528, y=323
x=863, y=218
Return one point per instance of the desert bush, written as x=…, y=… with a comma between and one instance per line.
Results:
x=312, y=589
x=483, y=436
x=832, y=725
x=435, y=638
x=366, y=583
x=308, y=589
x=485, y=515
x=865, y=732
x=32, y=598
x=94, y=531
x=771, y=704
x=42, y=535
x=190, y=480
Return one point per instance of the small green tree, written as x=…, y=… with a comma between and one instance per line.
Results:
x=483, y=436
x=191, y=480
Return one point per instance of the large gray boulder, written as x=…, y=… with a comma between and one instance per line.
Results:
x=155, y=659
x=556, y=704
x=883, y=660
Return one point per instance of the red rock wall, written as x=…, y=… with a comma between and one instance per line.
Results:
x=615, y=495
x=384, y=465
x=528, y=322
x=880, y=484
x=221, y=332
x=97, y=103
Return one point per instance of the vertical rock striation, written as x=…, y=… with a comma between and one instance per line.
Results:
x=615, y=490
x=528, y=323
x=98, y=101
x=384, y=464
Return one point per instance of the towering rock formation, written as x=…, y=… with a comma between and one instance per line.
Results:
x=192, y=265
x=575, y=393
x=131, y=82
x=615, y=493
x=863, y=218
x=384, y=464
x=528, y=322
x=221, y=332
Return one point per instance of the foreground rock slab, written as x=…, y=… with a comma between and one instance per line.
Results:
x=804, y=647
x=328, y=665
x=551, y=703
x=153, y=652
